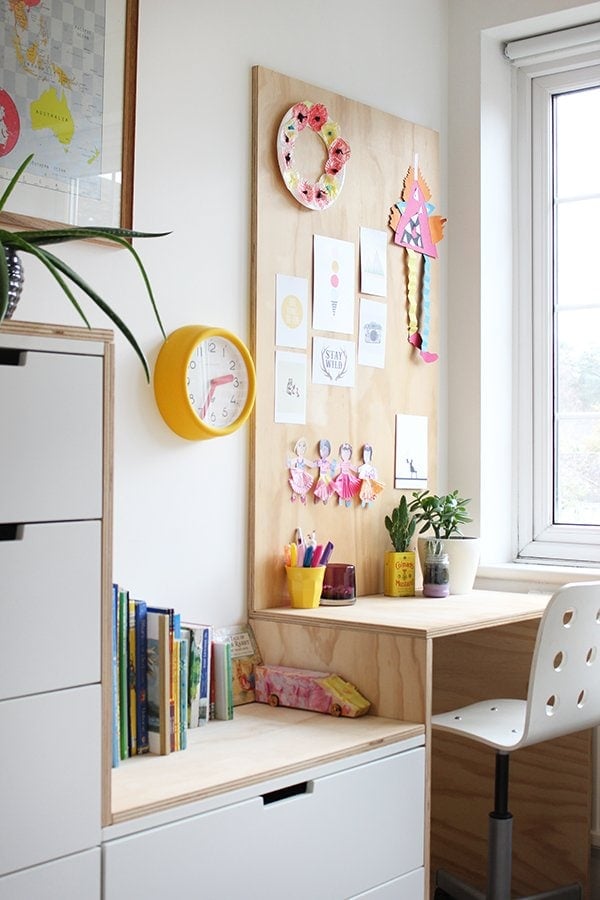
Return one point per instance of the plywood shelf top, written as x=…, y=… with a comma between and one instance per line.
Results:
x=420, y=616
x=260, y=743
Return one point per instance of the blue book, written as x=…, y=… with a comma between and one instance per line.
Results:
x=123, y=657
x=141, y=674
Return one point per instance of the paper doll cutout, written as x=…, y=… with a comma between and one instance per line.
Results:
x=300, y=481
x=367, y=473
x=324, y=486
x=346, y=483
x=418, y=232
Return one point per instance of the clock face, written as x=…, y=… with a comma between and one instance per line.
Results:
x=217, y=381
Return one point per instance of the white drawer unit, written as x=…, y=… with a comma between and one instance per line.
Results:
x=329, y=838
x=74, y=877
x=52, y=421
x=49, y=776
x=50, y=578
x=56, y=413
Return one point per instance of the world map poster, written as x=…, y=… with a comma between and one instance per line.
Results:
x=51, y=92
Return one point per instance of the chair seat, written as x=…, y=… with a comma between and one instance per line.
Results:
x=498, y=723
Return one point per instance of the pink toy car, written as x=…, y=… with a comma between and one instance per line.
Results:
x=305, y=689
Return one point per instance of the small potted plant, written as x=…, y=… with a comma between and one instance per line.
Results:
x=13, y=243
x=399, y=566
x=444, y=515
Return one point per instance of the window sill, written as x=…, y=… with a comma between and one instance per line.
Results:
x=531, y=576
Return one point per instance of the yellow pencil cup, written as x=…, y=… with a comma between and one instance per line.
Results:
x=305, y=586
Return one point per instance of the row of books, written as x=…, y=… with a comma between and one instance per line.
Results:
x=170, y=676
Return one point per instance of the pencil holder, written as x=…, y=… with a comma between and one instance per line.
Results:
x=305, y=585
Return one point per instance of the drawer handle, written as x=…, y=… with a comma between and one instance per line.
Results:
x=294, y=790
x=11, y=532
x=10, y=356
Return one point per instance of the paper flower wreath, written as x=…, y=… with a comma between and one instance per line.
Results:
x=326, y=190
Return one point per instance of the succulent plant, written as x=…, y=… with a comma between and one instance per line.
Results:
x=401, y=526
x=443, y=514
x=34, y=243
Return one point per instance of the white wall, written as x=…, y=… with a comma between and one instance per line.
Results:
x=480, y=277
x=181, y=508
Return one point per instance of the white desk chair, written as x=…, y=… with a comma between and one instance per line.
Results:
x=563, y=697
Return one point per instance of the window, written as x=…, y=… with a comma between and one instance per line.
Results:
x=558, y=253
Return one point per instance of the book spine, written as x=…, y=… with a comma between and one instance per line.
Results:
x=123, y=676
x=194, y=663
x=141, y=633
x=183, y=680
x=131, y=677
x=115, y=676
x=206, y=667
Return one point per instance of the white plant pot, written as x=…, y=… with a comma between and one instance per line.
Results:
x=463, y=559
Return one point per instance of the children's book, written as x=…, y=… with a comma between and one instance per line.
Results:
x=159, y=681
x=245, y=655
x=199, y=671
x=123, y=631
x=116, y=754
x=131, y=676
x=223, y=680
x=141, y=675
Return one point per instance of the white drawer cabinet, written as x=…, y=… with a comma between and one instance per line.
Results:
x=74, y=877
x=331, y=838
x=51, y=414
x=54, y=569
x=49, y=776
x=50, y=577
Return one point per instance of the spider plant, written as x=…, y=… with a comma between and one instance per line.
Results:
x=34, y=242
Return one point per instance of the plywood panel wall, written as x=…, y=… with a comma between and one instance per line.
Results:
x=382, y=149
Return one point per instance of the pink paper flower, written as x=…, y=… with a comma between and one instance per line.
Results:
x=307, y=190
x=300, y=114
x=317, y=116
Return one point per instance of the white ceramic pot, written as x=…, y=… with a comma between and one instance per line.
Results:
x=463, y=559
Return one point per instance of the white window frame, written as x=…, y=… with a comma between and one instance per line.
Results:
x=544, y=66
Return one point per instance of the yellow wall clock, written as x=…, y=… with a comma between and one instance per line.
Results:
x=204, y=382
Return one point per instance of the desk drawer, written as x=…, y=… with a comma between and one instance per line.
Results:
x=50, y=579
x=51, y=414
x=344, y=833
x=49, y=776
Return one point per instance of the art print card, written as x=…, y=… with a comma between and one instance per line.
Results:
x=333, y=362
x=291, y=322
x=333, y=285
x=410, y=470
x=290, y=387
x=373, y=262
x=371, y=333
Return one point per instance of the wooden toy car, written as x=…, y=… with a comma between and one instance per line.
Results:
x=305, y=689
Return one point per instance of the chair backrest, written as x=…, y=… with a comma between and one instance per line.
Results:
x=564, y=682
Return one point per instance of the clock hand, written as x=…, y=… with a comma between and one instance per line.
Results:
x=215, y=382
x=207, y=401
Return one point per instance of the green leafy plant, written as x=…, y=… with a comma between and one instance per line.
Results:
x=401, y=526
x=33, y=242
x=443, y=514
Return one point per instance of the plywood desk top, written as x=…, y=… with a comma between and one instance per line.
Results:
x=421, y=616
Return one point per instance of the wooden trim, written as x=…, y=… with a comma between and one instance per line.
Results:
x=107, y=579
x=40, y=329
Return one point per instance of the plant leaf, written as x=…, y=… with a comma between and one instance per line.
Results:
x=3, y=284
x=13, y=181
x=62, y=266
x=46, y=260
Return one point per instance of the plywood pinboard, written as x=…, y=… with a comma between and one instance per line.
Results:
x=383, y=148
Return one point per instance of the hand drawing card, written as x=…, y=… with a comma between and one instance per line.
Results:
x=290, y=387
x=291, y=323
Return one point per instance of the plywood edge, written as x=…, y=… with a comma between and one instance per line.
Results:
x=44, y=329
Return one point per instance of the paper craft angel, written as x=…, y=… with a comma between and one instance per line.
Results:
x=346, y=483
x=367, y=473
x=300, y=480
x=324, y=486
x=418, y=232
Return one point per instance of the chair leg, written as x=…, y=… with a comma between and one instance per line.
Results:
x=571, y=892
x=454, y=888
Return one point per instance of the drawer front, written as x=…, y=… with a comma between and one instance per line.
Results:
x=407, y=887
x=72, y=878
x=50, y=577
x=49, y=776
x=51, y=414
x=346, y=833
